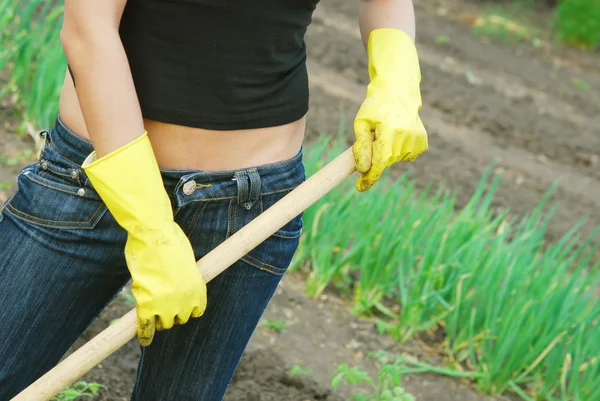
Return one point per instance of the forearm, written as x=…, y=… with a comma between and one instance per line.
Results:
x=376, y=14
x=104, y=84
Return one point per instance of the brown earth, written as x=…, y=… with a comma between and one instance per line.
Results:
x=483, y=101
x=319, y=335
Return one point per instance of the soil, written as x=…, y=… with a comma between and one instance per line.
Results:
x=484, y=101
x=319, y=335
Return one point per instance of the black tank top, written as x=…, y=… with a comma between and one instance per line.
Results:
x=219, y=64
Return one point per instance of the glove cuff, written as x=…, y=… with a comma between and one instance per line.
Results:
x=393, y=55
x=129, y=182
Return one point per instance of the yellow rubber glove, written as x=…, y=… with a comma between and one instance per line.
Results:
x=167, y=284
x=387, y=126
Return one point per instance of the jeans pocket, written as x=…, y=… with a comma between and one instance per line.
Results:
x=275, y=254
x=48, y=200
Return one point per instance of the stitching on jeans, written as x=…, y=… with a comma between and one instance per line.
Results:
x=280, y=190
x=41, y=223
x=55, y=164
x=7, y=201
x=207, y=200
x=255, y=186
x=288, y=236
x=229, y=219
x=243, y=182
x=259, y=189
x=261, y=267
x=196, y=217
x=234, y=220
x=38, y=181
x=53, y=169
x=265, y=264
x=230, y=197
x=213, y=199
x=57, y=221
x=47, y=223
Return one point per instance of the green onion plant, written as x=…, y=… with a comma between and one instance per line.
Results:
x=519, y=314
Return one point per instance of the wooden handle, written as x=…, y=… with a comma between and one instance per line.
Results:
x=211, y=265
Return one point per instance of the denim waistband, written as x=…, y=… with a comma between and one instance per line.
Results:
x=243, y=183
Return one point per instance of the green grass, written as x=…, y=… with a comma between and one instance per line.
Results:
x=520, y=311
x=32, y=53
x=578, y=22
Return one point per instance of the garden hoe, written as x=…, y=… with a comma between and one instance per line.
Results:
x=211, y=265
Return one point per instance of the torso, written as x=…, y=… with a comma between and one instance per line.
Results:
x=180, y=147
x=222, y=84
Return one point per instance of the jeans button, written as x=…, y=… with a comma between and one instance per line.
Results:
x=74, y=174
x=44, y=165
x=189, y=187
x=81, y=192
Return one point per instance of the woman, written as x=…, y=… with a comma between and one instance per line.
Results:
x=180, y=121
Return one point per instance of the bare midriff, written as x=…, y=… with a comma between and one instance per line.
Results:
x=181, y=147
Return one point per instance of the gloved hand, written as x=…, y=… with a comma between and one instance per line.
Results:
x=387, y=126
x=167, y=284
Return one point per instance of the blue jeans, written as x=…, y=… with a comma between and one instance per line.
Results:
x=62, y=262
